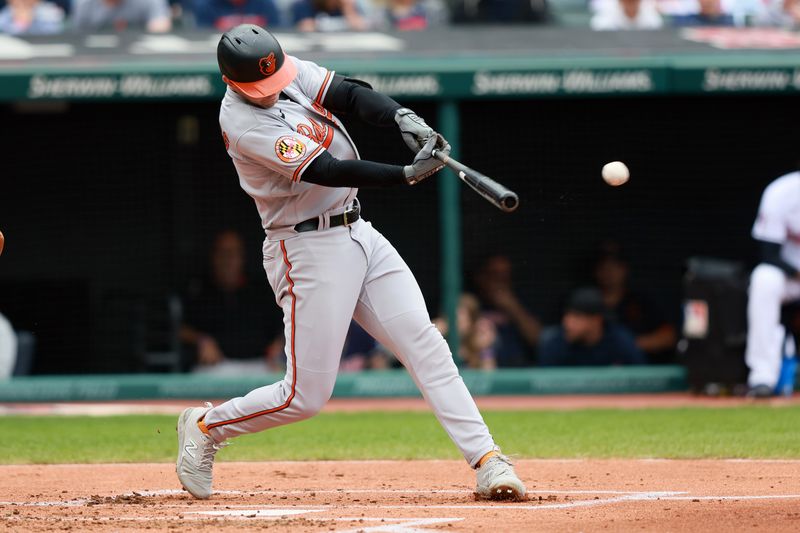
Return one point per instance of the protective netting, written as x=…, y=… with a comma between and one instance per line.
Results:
x=698, y=166
x=103, y=204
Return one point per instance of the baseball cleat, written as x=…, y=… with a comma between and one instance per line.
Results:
x=196, y=452
x=498, y=481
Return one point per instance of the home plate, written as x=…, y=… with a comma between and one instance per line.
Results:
x=254, y=513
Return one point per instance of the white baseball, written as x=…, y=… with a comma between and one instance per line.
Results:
x=616, y=173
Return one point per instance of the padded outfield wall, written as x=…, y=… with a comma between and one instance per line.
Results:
x=114, y=176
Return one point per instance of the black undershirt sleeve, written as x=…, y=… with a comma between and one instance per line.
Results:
x=328, y=171
x=348, y=97
x=771, y=254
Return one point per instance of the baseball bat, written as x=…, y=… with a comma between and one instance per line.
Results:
x=498, y=195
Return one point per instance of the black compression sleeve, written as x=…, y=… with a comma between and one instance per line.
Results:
x=328, y=171
x=347, y=97
x=771, y=254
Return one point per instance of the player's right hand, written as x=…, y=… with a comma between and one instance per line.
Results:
x=424, y=163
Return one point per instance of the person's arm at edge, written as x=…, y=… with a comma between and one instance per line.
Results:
x=662, y=338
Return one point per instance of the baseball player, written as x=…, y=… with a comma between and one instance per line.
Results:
x=774, y=281
x=325, y=264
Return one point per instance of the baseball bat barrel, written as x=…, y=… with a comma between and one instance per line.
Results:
x=502, y=197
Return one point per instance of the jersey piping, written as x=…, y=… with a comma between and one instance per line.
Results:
x=288, y=401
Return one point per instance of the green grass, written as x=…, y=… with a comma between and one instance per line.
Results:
x=744, y=432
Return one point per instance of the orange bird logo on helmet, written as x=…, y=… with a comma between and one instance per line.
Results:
x=267, y=64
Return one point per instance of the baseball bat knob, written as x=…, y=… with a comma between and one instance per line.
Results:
x=510, y=202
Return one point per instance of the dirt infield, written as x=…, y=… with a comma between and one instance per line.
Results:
x=406, y=496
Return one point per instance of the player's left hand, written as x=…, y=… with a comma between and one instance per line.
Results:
x=414, y=130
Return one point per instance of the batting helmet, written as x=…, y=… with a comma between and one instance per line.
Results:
x=252, y=60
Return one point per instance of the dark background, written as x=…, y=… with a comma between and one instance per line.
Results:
x=107, y=208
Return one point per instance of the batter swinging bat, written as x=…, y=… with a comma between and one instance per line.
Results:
x=495, y=193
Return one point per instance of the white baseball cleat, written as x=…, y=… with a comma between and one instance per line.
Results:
x=498, y=481
x=196, y=452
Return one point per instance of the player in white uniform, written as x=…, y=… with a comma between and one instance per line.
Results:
x=774, y=281
x=324, y=263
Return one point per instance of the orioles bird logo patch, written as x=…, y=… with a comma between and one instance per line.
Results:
x=267, y=64
x=289, y=149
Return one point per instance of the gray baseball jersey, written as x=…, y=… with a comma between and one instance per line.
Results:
x=271, y=148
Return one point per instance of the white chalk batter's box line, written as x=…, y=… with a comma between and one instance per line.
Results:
x=77, y=502
x=618, y=497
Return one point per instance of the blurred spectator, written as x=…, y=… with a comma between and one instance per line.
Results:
x=477, y=334
x=780, y=14
x=499, y=11
x=362, y=352
x=93, y=15
x=586, y=338
x=670, y=8
x=409, y=15
x=8, y=348
x=225, y=14
x=178, y=14
x=517, y=329
x=774, y=282
x=227, y=320
x=710, y=14
x=611, y=15
x=31, y=17
x=328, y=15
x=655, y=335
